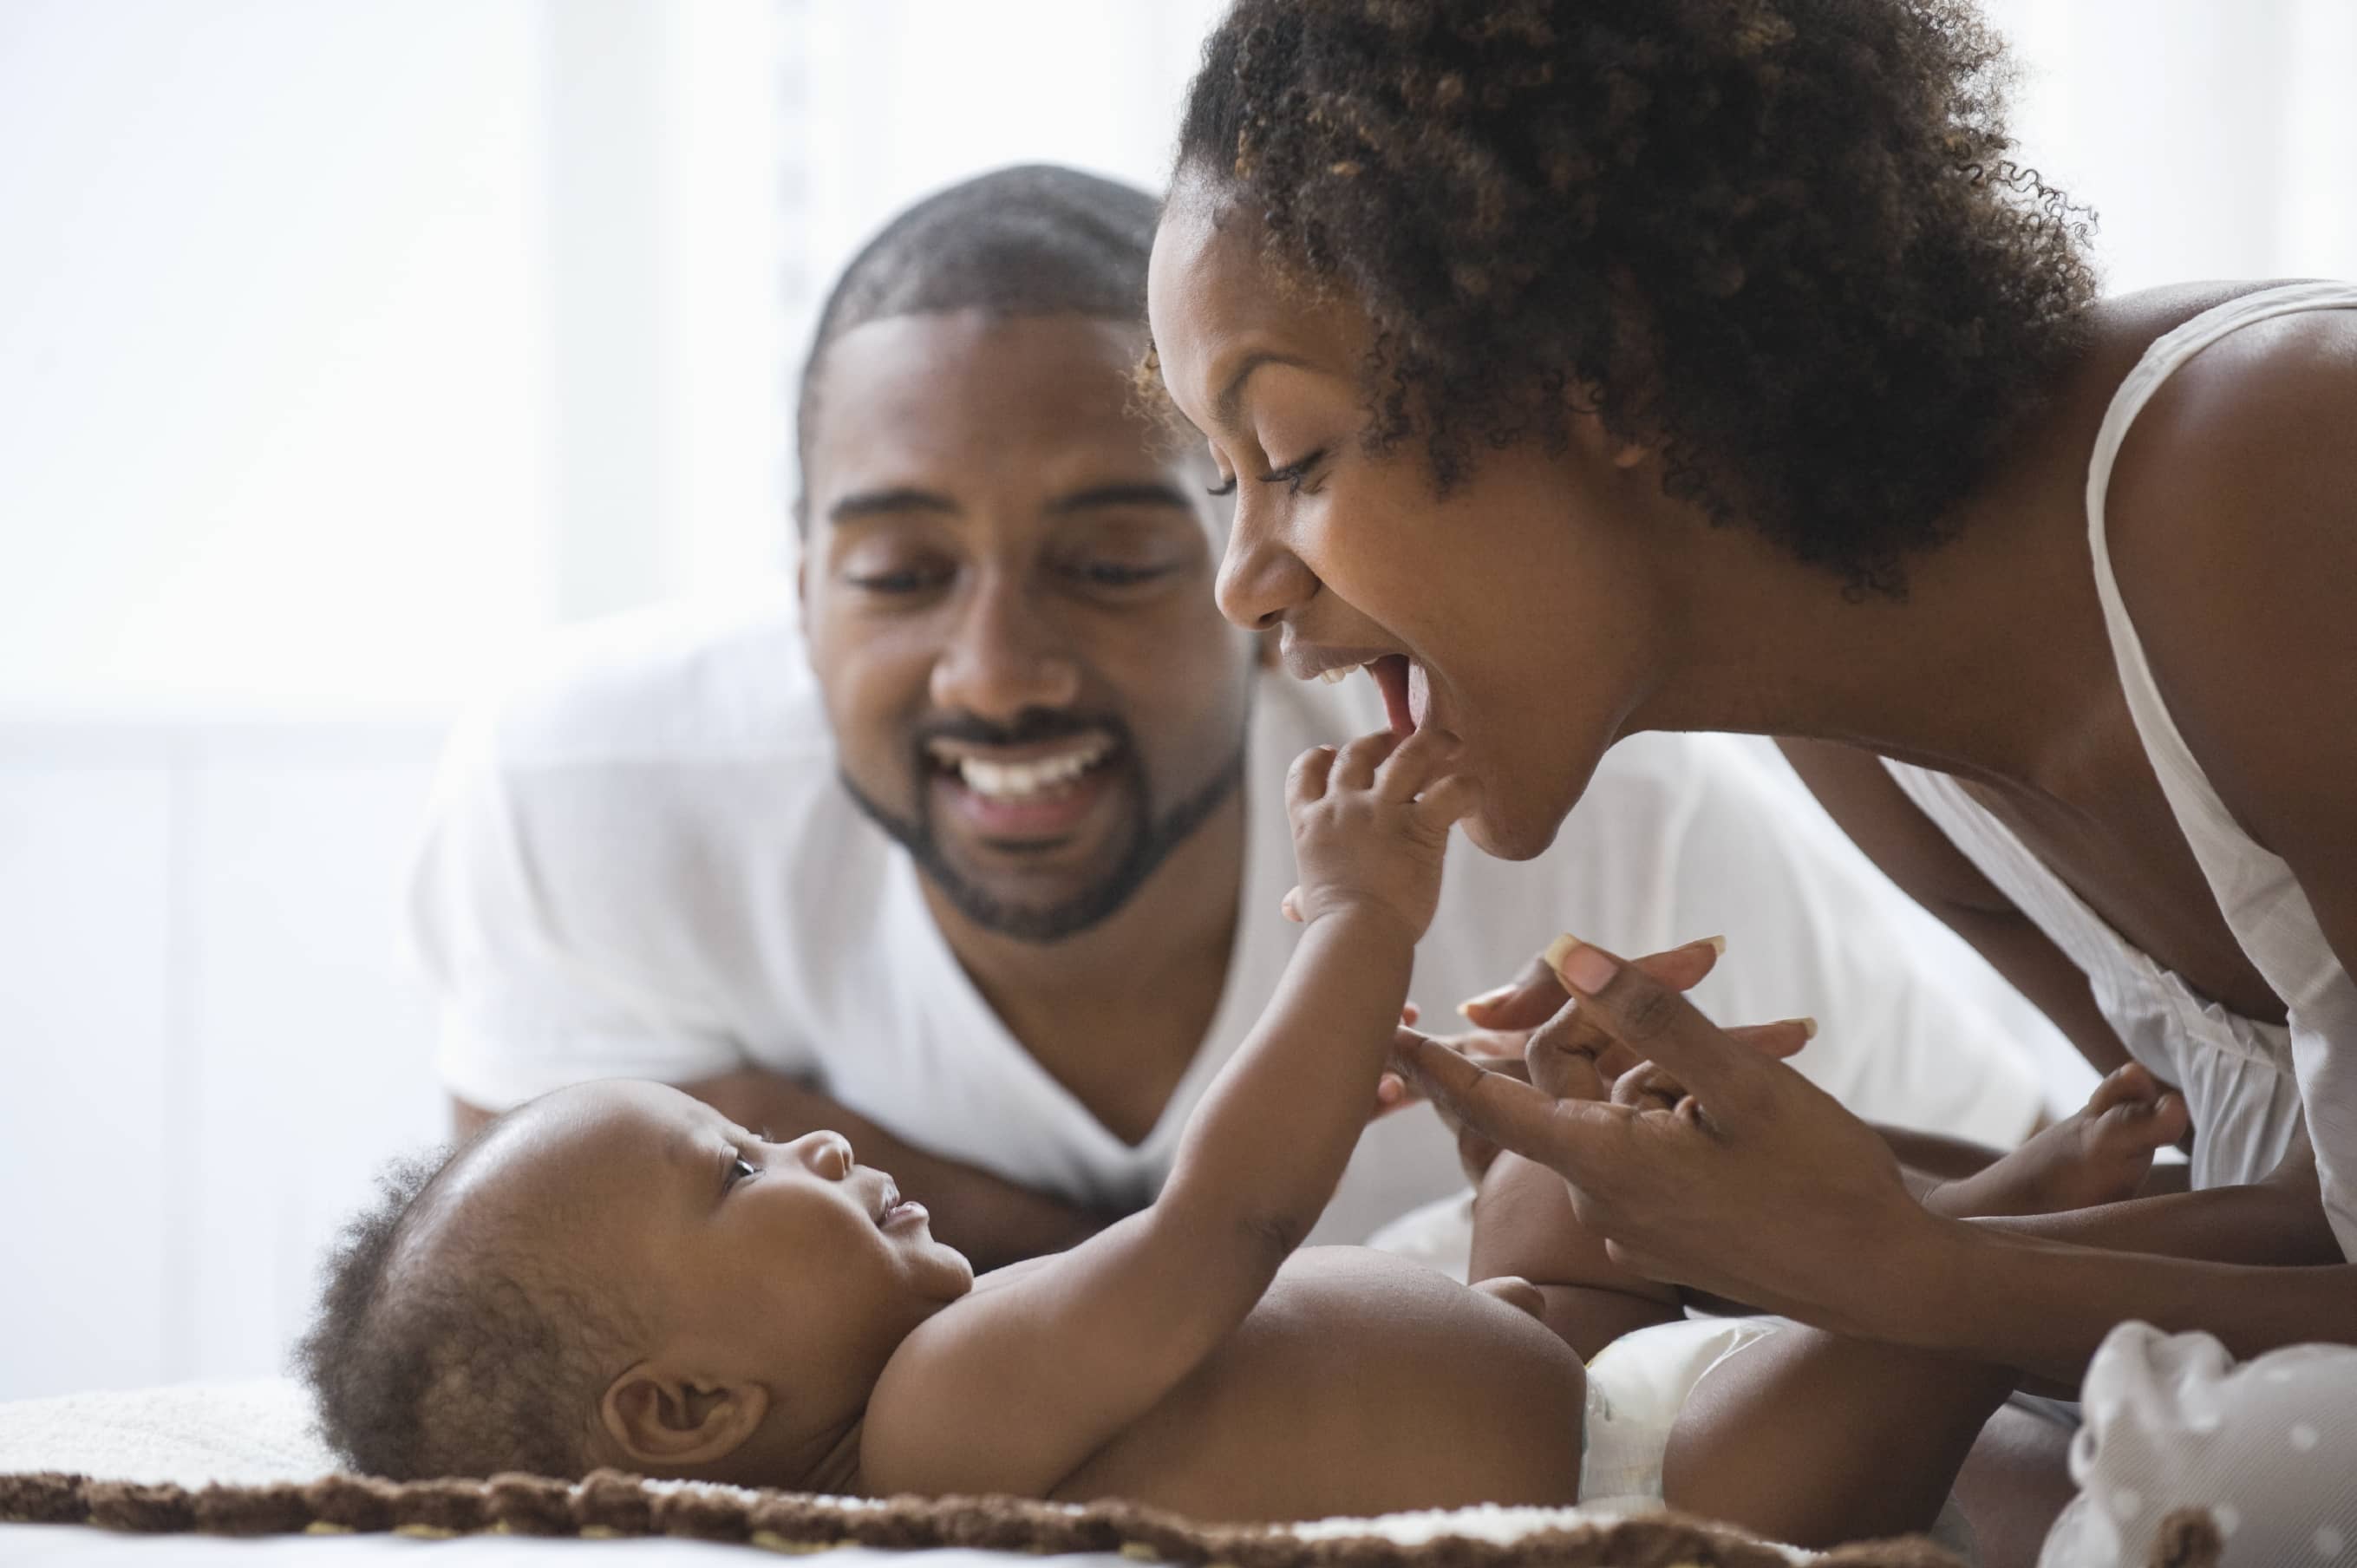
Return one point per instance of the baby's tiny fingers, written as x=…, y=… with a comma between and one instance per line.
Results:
x=1355, y=769
x=1413, y=763
x=1306, y=780
x=1450, y=801
x=1648, y=1085
x=1291, y=906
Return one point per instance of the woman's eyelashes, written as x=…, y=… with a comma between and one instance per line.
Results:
x=1293, y=475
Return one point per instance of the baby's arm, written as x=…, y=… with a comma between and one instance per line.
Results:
x=1015, y=1388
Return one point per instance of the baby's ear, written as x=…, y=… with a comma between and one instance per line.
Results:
x=656, y=1418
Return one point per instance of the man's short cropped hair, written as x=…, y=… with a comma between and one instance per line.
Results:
x=1035, y=240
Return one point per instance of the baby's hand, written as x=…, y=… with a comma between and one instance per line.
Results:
x=1371, y=823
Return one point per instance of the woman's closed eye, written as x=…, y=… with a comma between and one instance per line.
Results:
x=1293, y=474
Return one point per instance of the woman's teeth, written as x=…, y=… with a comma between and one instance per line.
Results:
x=1022, y=780
x=1339, y=673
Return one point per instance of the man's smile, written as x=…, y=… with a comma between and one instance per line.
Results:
x=1030, y=799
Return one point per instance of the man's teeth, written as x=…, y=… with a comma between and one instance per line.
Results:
x=1019, y=781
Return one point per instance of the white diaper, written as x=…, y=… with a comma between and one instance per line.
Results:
x=1637, y=1385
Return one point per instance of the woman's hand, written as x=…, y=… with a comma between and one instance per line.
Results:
x=1502, y=1048
x=1753, y=1183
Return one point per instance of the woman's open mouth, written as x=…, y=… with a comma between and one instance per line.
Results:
x=1407, y=689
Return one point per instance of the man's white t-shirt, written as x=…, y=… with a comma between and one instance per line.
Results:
x=641, y=863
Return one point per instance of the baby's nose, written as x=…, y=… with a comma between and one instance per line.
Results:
x=827, y=1153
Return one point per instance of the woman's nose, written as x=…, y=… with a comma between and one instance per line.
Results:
x=1261, y=578
x=826, y=1154
x=1004, y=657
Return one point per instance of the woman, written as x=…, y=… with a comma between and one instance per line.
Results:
x=1585, y=368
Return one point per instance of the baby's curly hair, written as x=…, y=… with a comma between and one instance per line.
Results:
x=1781, y=239
x=468, y=1354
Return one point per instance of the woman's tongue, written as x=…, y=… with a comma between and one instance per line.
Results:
x=1391, y=677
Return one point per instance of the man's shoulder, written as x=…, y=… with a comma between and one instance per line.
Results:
x=683, y=685
x=668, y=779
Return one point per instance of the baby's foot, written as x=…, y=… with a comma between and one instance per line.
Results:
x=2099, y=1155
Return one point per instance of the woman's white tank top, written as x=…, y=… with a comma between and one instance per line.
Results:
x=2247, y=1083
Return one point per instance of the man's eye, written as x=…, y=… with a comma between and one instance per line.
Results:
x=1116, y=575
x=907, y=580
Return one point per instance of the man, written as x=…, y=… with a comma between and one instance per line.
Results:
x=975, y=854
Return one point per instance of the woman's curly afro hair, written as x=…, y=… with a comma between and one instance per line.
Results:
x=1779, y=238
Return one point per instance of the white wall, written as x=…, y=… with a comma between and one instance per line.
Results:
x=272, y=368
x=211, y=1041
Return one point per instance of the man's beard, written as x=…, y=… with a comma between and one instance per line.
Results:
x=1151, y=839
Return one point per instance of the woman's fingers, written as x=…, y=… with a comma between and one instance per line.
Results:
x=1526, y=1001
x=1574, y=1055
x=1537, y=995
x=1507, y=1112
x=1778, y=1040
x=1655, y=1021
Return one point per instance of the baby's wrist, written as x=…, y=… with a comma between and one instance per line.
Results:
x=1367, y=918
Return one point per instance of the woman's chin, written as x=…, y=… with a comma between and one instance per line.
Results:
x=1498, y=834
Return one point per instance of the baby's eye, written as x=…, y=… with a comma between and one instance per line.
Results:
x=740, y=1169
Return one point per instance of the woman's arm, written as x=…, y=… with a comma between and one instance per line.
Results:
x=1762, y=1189
x=1993, y=1294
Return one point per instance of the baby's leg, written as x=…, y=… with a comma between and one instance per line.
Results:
x=1811, y=1439
x=1530, y=1248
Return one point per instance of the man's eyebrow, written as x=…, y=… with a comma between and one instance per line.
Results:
x=1229, y=404
x=885, y=503
x=1148, y=493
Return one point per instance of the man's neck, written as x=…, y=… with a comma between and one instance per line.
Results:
x=1118, y=1010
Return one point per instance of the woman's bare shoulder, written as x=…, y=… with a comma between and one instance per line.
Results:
x=2231, y=524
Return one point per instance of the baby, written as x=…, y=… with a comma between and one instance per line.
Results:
x=617, y=1275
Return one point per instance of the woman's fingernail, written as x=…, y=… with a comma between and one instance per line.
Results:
x=1715, y=944
x=1808, y=1028
x=1490, y=998
x=1582, y=967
